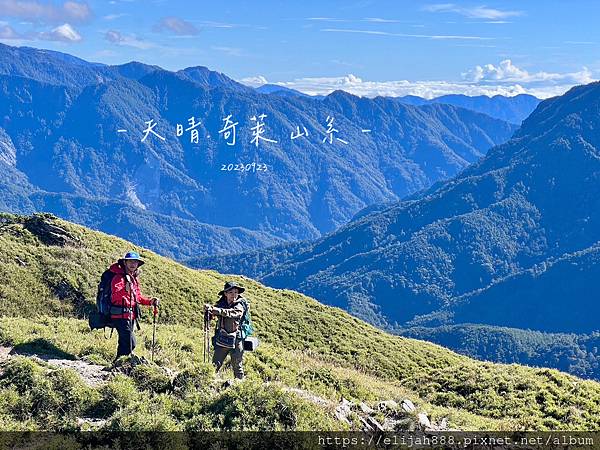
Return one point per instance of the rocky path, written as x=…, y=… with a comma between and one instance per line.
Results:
x=92, y=374
x=387, y=415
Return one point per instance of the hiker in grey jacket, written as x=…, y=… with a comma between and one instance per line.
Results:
x=229, y=311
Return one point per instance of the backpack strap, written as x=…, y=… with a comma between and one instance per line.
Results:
x=245, y=317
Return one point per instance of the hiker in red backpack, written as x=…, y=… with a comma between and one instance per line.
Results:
x=125, y=298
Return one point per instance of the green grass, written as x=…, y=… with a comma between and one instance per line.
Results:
x=305, y=345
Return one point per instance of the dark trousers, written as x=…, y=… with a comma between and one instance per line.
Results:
x=126, y=337
x=237, y=357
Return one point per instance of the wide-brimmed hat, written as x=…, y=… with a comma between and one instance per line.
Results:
x=230, y=285
x=132, y=256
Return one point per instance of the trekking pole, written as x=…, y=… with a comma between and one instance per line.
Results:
x=206, y=350
x=208, y=317
x=154, y=314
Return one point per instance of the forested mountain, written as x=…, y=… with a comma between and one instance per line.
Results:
x=512, y=241
x=82, y=135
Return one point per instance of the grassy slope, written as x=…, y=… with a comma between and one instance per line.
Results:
x=305, y=344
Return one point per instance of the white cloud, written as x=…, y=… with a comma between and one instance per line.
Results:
x=477, y=12
x=326, y=19
x=256, y=81
x=62, y=33
x=421, y=36
x=211, y=24
x=504, y=79
x=114, y=16
x=581, y=42
x=364, y=19
x=7, y=32
x=380, y=20
x=46, y=12
x=506, y=71
x=77, y=12
x=116, y=37
x=113, y=36
x=177, y=26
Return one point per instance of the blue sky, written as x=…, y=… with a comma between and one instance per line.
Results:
x=365, y=47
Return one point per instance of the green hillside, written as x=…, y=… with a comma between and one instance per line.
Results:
x=310, y=357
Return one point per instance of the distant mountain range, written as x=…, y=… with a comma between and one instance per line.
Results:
x=510, y=109
x=570, y=352
x=513, y=241
x=63, y=152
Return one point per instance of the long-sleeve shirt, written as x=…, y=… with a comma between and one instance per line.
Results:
x=229, y=315
x=123, y=301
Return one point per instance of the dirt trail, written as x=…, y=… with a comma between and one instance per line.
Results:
x=92, y=374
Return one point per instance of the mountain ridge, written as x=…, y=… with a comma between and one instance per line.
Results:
x=65, y=129
x=487, y=237
x=50, y=281
x=513, y=109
